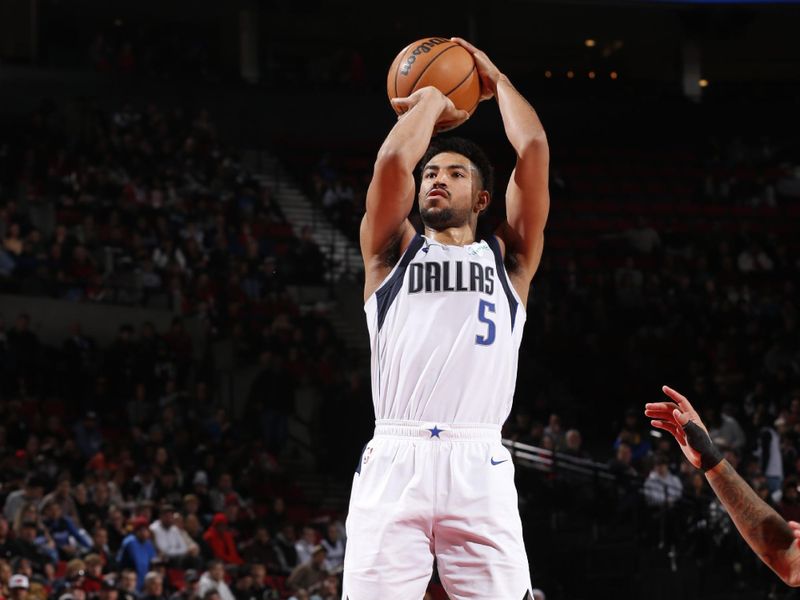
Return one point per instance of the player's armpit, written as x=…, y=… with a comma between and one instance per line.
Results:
x=521, y=259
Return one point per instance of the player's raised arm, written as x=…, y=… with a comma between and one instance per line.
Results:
x=764, y=530
x=391, y=192
x=527, y=195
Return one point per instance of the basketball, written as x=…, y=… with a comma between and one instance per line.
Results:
x=438, y=62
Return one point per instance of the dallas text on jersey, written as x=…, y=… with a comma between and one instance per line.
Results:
x=450, y=277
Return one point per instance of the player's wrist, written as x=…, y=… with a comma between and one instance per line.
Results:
x=498, y=80
x=700, y=441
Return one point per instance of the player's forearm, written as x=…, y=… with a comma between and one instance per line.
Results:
x=410, y=137
x=523, y=128
x=765, y=531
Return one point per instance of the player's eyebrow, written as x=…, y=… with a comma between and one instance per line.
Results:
x=453, y=166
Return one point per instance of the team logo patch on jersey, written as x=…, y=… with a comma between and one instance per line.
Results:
x=367, y=454
x=478, y=249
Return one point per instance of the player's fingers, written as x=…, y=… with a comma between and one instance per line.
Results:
x=465, y=44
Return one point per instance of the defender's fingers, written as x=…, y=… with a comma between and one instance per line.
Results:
x=681, y=418
x=679, y=398
x=676, y=432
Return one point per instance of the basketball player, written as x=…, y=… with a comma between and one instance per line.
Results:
x=445, y=313
x=765, y=531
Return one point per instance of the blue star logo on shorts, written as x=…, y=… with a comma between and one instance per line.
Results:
x=435, y=431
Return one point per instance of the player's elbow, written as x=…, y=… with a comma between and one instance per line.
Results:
x=392, y=159
x=533, y=150
x=534, y=140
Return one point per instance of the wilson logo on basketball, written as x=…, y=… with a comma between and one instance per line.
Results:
x=423, y=48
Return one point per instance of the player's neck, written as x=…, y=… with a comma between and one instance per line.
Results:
x=452, y=236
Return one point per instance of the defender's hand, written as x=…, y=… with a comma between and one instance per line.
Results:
x=487, y=70
x=682, y=421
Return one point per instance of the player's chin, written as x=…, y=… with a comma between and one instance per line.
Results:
x=435, y=202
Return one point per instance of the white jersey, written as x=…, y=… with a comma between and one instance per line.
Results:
x=445, y=328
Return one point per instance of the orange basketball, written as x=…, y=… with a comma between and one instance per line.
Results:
x=438, y=62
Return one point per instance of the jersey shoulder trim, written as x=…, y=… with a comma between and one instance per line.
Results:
x=389, y=290
x=501, y=274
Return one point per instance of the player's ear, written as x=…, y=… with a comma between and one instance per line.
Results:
x=483, y=201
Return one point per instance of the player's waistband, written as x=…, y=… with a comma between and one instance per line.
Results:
x=466, y=432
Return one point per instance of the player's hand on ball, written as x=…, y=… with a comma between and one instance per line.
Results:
x=449, y=118
x=487, y=70
x=673, y=417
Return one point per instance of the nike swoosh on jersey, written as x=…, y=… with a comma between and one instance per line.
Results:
x=497, y=462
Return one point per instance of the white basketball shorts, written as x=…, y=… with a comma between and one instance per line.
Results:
x=425, y=490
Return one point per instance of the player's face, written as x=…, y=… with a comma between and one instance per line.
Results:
x=448, y=191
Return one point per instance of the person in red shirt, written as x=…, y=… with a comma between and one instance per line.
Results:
x=220, y=540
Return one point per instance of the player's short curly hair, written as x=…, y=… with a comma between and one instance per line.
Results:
x=464, y=147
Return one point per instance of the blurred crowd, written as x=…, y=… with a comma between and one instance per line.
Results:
x=158, y=493
x=146, y=207
x=124, y=472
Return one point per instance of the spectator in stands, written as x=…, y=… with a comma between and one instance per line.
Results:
x=662, y=488
x=18, y=587
x=334, y=549
x=6, y=544
x=220, y=539
x=243, y=586
x=35, y=548
x=170, y=541
x=632, y=434
x=63, y=496
x=129, y=583
x=115, y=526
x=261, y=550
x=32, y=492
x=309, y=575
x=262, y=589
x=221, y=495
x=153, y=587
x=573, y=444
x=101, y=548
x=93, y=580
x=724, y=429
x=768, y=452
x=555, y=431
x=69, y=539
x=194, y=530
x=191, y=587
x=330, y=589
x=137, y=550
x=285, y=540
x=214, y=580
x=306, y=544
x=200, y=490
x=108, y=589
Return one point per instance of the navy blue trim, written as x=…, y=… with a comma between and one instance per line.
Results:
x=501, y=273
x=361, y=458
x=388, y=292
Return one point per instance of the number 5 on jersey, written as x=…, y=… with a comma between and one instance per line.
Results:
x=483, y=308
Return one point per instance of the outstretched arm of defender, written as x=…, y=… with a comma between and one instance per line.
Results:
x=764, y=530
x=527, y=195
